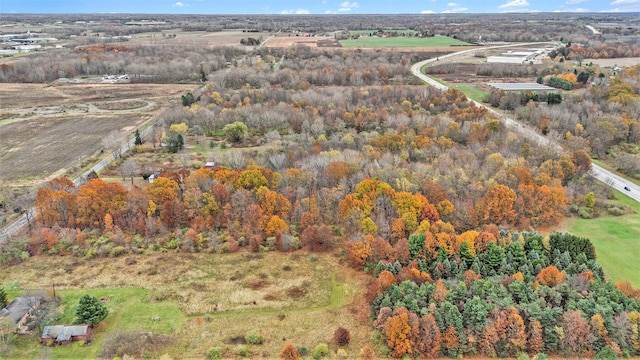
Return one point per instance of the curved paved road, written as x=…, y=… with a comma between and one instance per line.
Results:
x=615, y=181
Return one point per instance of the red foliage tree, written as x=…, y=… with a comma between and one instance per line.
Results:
x=577, y=332
x=317, y=238
x=430, y=340
x=342, y=336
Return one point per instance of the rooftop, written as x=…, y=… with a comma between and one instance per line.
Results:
x=521, y=86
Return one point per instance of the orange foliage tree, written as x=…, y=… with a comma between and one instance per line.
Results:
x=398, y=332
x=551, y=276
x=496, y=206
x=289, y=352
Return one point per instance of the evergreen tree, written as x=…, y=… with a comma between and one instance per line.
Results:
x=90, y=311
x=3, y=298
x=138, y=140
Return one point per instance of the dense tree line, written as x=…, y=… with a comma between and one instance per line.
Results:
x=433, y=155
x=600, y=120
x=516, y=293
x=156, y=64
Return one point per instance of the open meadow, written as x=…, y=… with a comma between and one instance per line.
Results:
x=202, y=300
x=614, y=237
x=175, y=36
x=387, y=42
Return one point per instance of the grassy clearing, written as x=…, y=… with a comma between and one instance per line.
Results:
x=129, y=309
x=471, y=92
x=400, y=31
x=203, y=300
x=615, y=239
x=7, y=121
x=372, y=42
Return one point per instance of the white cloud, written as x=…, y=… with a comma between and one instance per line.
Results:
x=330, y=12
x=451, y=4
x=427, y=12
x=514, y=4
x=296, y=12
x=624, y=2
x=180, y=4
x=574, y=10
x=574, y=2
x=349, y=4
x=455, y=10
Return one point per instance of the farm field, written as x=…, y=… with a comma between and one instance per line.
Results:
x=54, y=128
x=365, y=32
x=218, y=38
x=375, y=42
x=621, y=62
x=200, y=299
x=287, y=40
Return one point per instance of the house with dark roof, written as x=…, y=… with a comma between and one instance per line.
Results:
x=19, y=310
x=65, y=334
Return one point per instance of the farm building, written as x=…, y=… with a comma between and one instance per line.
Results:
x=520, y=87
x=517, y=57
x=63, y=334
x=19, y=310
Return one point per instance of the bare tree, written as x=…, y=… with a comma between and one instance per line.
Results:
x=129, y=169
x=184, y=157
x=23, y=204
x=235, y=159
x=7, y=334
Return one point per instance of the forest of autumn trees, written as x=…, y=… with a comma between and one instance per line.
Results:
x=420, y=187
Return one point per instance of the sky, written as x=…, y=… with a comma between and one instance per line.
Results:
x=314, y=6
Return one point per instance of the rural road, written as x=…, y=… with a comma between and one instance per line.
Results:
x=22, y=220
x=607, y=177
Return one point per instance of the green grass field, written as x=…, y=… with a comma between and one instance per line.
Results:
x=471, y=92
x=402, y=31
x=616, y=241
x=129, y=309
x=373, y=42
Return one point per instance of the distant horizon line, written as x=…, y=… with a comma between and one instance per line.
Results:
x=332, y=14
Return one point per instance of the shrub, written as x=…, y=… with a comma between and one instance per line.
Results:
x=585, y=213
x=320, y=351
x=541, y=356
x=117, y=251
x=342, y=354
x=214, y=353
x=253, y=338
x=289, y=352
x=242, y=350
x=606, y=353
x=120, y=343
x=615, y=211
x=302, y=350
x=341, y=336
